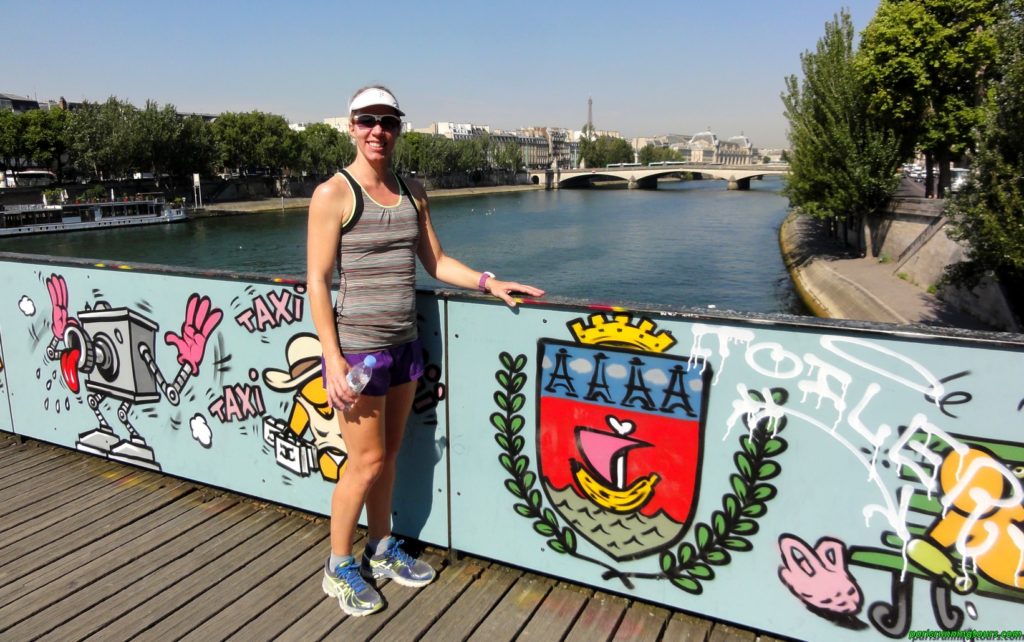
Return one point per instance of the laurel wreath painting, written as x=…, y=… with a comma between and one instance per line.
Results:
x=714, y=542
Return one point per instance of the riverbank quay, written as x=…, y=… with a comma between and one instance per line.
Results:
x=836, y=283
x=289, y=203
x=173, y=559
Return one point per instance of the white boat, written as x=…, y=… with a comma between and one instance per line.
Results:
x=67, y=217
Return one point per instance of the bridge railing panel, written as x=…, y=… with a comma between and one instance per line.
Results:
x=214, y=379
x=808, y=478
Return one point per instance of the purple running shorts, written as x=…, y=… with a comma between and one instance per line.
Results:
x=395, y=366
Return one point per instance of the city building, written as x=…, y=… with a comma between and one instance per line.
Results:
x=707, y=147
x=17, y=104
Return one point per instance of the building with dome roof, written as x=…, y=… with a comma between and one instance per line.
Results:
x=707, y=147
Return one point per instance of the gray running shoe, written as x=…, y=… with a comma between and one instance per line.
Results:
x=354, y=595
x=395, y=564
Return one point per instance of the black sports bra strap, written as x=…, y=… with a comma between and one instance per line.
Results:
x=357, y=206
x=405, y=190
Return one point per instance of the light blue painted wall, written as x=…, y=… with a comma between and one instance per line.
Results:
x=789, y=449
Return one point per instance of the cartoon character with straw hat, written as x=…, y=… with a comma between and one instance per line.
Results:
x=310, y=412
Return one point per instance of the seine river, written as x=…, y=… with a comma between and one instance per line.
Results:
x=691, y=243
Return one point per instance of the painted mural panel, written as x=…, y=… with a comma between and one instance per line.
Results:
x=216, y=380
x=815, y=482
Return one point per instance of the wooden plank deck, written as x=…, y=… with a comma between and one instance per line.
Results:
x=92, y=549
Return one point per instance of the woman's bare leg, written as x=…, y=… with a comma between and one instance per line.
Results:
x=363, y=430
x=397, y=406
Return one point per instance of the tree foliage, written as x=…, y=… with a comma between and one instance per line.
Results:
x=601, y=151
x=194, y=150
x=508, y=158
x=448, y=162
x=651, y=154
x=989, y=213
x=155, y=130
x=324, y=150
x=114, y=139
x=255, y=139
x=12, y=140
x=842, y=160
x=98, y=136
x=45, y=137
x=924, y=63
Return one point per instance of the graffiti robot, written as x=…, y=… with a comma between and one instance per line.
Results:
x=113, y=348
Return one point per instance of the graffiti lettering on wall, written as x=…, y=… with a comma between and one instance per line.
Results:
x=280, y=308
x=238, y=402
x=621, y=424
x=974, y=543
x=620, y=431
x=109, y=355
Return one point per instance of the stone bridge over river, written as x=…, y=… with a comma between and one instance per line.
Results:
x=646, y=176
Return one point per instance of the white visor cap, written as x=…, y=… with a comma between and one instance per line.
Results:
x=374, y=96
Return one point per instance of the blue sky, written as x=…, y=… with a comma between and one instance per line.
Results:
x=652, y=67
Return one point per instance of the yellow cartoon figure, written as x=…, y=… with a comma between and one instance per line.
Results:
x=981, y=522
x=310, y=413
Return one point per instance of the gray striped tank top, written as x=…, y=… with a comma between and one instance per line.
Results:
x=376, y=305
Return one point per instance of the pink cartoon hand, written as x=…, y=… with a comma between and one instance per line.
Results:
x=58, y=289
x=200, y=322
x=819, y=576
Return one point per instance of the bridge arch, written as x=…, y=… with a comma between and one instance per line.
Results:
x=737, y=177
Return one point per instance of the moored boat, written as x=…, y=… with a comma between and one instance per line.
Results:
x=66, y=217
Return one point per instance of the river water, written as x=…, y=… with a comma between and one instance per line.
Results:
x=690, y=243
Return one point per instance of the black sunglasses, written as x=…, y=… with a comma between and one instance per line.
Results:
x=387, y=121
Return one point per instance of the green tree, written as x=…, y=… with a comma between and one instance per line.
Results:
x=103, y=137
x=989, y=213
x=409, y=153
x=651, y=154
x=924, y=64
x=325, y=150
x=157, y=131
x=603, y=150
x=12, y=140
x=255, y=139
x=842, y=161
x=472, y=156
x=194, y=150
x=508, y=157
x=45, y=137
x=439, y=159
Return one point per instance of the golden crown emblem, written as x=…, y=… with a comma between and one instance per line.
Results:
x=623, y=331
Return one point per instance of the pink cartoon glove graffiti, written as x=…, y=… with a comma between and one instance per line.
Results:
x=200, y=322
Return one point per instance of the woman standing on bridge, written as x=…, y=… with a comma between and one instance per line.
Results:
x=370, y=225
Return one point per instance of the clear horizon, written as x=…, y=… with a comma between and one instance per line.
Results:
x=669, y=68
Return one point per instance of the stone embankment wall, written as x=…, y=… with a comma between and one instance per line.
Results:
x=911, y=235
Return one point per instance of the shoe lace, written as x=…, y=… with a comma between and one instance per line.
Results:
x=350, y=574
x=397, y=554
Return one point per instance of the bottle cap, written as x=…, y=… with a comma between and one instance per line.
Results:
x=370, y=361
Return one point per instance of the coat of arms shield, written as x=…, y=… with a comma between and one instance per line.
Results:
x=619, y=442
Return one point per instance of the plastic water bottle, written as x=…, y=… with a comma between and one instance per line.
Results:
x=359, y=375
